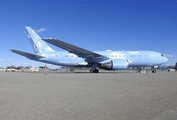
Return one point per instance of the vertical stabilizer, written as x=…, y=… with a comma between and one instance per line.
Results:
x=38, y=44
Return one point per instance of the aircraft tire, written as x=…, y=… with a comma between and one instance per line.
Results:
x=153, y=71
x=94, y=71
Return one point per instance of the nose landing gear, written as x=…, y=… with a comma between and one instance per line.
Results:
x=154, y=70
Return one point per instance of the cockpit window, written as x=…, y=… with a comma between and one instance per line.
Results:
x=162, y=55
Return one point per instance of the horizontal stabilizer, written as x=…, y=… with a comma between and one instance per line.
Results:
x=28, y=55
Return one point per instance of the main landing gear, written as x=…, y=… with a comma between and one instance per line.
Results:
x=94, y=71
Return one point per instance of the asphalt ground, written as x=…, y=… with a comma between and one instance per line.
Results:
x=85, y=96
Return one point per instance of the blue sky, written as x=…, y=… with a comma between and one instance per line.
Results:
x=91, y=24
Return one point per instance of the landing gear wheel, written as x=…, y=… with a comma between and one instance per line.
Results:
x=94, y=71
x=154, y=71
x=91, y=70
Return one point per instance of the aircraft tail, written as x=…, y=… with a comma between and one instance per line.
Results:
x=38, y=44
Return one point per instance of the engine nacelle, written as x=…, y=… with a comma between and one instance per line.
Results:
x=114, y=64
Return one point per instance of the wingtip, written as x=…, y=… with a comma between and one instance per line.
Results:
x=10, y=49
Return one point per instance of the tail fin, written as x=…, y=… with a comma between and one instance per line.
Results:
x=38, y=44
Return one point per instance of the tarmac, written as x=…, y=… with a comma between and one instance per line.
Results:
x=86, y=96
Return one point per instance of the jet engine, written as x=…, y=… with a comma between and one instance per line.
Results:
x=114, y=64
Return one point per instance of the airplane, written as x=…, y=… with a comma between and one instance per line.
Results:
x=75, y=56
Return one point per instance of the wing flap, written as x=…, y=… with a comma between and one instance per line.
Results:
x=80, y=52
x=28, y=55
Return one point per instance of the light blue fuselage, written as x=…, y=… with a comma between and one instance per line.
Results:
x=134, y=58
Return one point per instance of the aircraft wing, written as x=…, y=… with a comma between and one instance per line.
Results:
x=28, y=55
x=80, y=52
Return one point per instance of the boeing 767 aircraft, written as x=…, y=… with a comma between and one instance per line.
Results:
x=75, y=56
